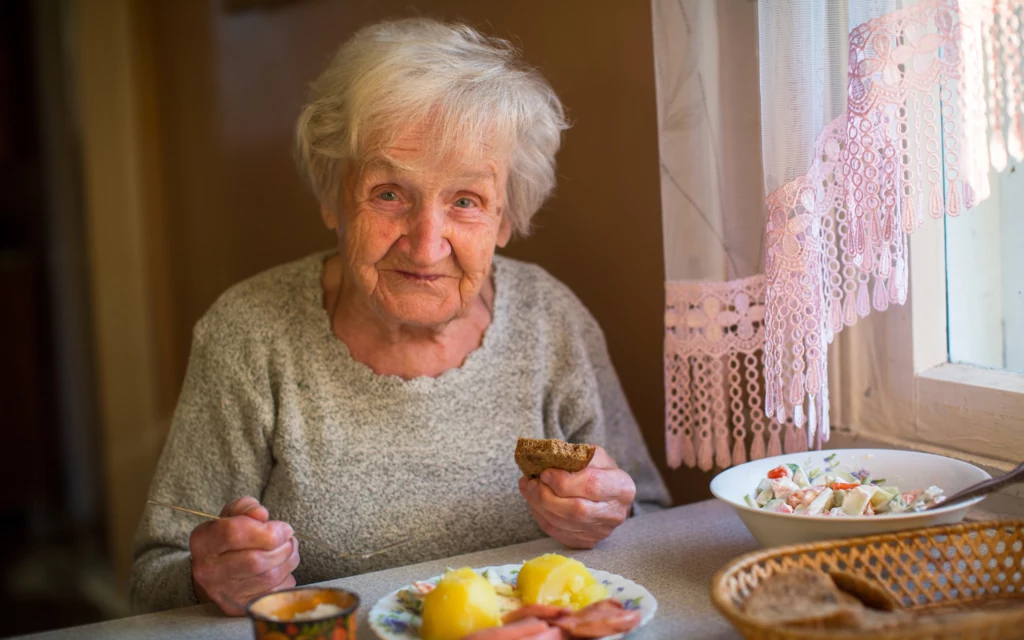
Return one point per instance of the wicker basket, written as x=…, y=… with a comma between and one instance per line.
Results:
x=939, y=568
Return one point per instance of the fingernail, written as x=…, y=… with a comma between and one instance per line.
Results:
x=545, y=477
x=290, y=531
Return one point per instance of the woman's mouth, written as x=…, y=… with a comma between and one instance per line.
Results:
x=420, y=277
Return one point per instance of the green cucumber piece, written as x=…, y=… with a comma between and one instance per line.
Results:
x=800, y=476
x=882, y=497
x=857, y=500
x=820, y=504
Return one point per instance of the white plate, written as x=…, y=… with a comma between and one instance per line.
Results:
x=904, y=469
x=392, y=621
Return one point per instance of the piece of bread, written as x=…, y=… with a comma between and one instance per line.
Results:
x=534, y=456
x=806, y=598
x=872, y=594
x=799, y=597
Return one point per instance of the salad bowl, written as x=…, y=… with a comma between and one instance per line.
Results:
x=907, y=470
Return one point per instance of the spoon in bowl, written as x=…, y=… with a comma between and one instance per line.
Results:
x=982, y=488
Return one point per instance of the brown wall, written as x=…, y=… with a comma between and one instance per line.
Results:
x=229, y=88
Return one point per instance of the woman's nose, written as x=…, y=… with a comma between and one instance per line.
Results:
x=427, y=242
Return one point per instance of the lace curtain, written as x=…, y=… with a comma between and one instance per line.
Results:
x=713, y=228
x=874, y=115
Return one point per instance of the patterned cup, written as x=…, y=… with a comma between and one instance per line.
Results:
x=306, y=613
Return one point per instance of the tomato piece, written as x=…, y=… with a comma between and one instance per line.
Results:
x=843, y=486
x=780, y=471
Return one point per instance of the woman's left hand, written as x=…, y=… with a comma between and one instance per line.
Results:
x=580, y=509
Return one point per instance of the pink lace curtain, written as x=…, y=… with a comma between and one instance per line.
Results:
x=874, y=115
x=933, y=96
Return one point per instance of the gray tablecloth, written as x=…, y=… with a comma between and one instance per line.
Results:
x=674, y=554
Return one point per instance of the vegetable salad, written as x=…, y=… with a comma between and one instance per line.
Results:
x=789, y=488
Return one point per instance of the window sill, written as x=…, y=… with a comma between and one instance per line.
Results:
x=972, y=410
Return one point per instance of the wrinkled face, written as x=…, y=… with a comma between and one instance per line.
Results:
x=419, y=233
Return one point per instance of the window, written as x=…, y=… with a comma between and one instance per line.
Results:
x=985, y=277
x=945, y=372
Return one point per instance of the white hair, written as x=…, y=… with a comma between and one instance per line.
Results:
x=473, y=90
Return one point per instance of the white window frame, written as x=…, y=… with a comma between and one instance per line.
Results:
x=892, y=382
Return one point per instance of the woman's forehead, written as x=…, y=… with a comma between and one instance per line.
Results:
x=429, y=145
x=458, y=164
x=483, y=169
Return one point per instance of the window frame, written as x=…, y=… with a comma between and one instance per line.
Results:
x=892, y=382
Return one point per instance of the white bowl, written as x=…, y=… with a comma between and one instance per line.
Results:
x=904, y=469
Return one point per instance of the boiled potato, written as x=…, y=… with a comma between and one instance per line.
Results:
x=463, y=602
x=560, y=581
x=588, y=595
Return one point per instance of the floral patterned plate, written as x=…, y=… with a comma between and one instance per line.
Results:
x=391, y=620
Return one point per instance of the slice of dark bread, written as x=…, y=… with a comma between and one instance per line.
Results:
x=534, y=456
x=814, y=599
x=871, y=593
x=799, y=597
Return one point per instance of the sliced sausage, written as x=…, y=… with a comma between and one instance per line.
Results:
x=546, y=612
x=524, y=629
x=600, y=619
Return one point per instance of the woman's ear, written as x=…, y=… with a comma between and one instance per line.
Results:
x=330, y=219
x=504, y=231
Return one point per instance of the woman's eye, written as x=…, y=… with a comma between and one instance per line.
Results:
x=464, y=203
x=388, y=196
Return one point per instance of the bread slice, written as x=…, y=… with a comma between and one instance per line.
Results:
x=799, y=597
x=534, y=456
x=813, y=599
x=871, y=593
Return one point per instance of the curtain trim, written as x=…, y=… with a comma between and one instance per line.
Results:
x=714, y=339
x=913, y=139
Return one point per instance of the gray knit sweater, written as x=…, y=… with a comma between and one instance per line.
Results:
x=273, y=406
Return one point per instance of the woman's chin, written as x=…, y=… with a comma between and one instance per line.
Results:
x=424, y=314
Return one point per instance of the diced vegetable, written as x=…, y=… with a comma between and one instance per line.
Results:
x=858, y=500
x=820, y=503
x=751, y=502
x=781, y=471
x=799, y=476
x=924, y=498
x=843, y=486
x=783, y=487
x=882, y=497
x=764, y=497
x=897, y=504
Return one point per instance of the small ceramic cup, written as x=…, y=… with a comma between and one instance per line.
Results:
x=306, y=613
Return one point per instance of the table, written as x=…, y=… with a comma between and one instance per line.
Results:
x=673, y=553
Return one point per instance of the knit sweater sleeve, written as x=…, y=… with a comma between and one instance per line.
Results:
x=216, y=451
x=592, y=408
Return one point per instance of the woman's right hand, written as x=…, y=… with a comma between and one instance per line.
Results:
x=243, y=555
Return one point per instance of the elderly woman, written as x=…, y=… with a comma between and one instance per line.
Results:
x=376, y=391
